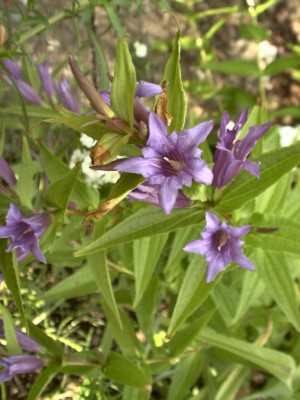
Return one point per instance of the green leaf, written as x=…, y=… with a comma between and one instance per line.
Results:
x=32, y=111
x=146, y=253
x=124, y=84
x=126, y=337
x=184, y=337
x=232, y=383
x=276, y=275
x=175, y=91
x=193, y=292
x=252, y=288
x=254, y=32
x=246, y=187
x=80, y=283
x=25, y=185
x=12, y=343
x=131, y=393
x=149, y=221
x=43, y=379
x=282, y=64
x=234, y=67
x=186, y=373
x=89, y=124
x=102, y=65
x=59, y=192
x=11, y=276
x=122, y=370
x=98, y=266
x=278, y=364
x=279, y=235
x=54, y=347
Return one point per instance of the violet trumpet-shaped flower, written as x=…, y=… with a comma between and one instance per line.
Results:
x=26, y=90
x=66, y=96
x=19, y=364
x=12, y=68
x=149, y=194
x=6, y=173
x=169, y=161
x=24, y=233
x=26, y=342
x=230, y=155
x=46, y=79
x=220, y=245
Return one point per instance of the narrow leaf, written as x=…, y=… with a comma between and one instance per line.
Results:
x=25, y=186
x=175, y=91
x=124, y=84
x=279, y=364
x=276, y=275
x=12, y=343
x=149, y=221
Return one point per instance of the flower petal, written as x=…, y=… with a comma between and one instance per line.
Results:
x=189, y=138
x=168, y=193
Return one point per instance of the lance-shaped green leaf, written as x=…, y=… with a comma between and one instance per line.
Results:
x=53, y=346
x=89, y=124
x=58, y=192
x=235, y=67
x=186, y=373
x=25, y=186
x=246, y=187
x=124, y=84
x=98, y=266
x=9, y=264
x=42, y=381
x=193, y=292
x=278, y=364
x=276, y=234
x=175, y=92
x=124, y=371
x=81, y=283
x=149, y=221
x=276, y=275
x=282, y=64
x=10, y=336
x=146, y=253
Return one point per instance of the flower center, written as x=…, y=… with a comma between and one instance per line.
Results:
x=176, y=166
x=221, y=238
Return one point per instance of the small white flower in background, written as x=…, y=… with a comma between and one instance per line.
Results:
x=87, y=141
x=266, y=53
x=289, y=135
x=141, y=49
x=94, y=178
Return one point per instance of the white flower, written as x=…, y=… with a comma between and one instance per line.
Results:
x=288, y=135
x=87, y=141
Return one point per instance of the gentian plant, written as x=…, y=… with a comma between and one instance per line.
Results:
x=114, y=293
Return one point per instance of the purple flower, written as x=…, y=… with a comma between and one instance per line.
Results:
x=6, y=173
x=230, y=155
x=28, y=92
x=66, y=96
x=13, y=68
x=149, y=194
x=169, y=161
x=26, y=342
x=19, y=364
x=24, y=233
x=220, y=245
x=46, y=79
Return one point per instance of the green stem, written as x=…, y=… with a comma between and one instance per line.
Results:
x=41, y=27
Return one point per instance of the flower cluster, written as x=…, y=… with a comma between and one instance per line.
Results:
x=170, y=162
x=59, y=91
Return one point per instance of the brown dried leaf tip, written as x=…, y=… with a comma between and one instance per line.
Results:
x=99, y=155
x=162, y=104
